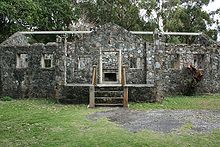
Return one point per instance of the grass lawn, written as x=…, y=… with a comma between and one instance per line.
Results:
x=41, y=122
x=204, y=102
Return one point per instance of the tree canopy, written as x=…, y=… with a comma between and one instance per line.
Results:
x=187, y=16
x=122, y=12
x=21, y=15
x=175, y=15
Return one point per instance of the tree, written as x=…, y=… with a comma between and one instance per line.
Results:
x=15, y=15
x=184, y=16
x=55, y=14
x=122, y=12
x=21, y=15
x=216, y=24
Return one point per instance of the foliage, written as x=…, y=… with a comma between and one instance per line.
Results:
x=55, y=15
x=188, y=16
x=35, y=122
x=6, y=98
x=122, y=12
x=15, y=15
x=176, y=15
x=185, y=16
x=21, y=15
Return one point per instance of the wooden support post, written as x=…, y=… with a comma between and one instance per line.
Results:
x=100, y=66
x=125, y=100
x=119, y=67
x=94, y=74
x=65, y=59
x=91, y=97
x=123, y=76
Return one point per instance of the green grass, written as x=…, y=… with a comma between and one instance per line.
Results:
x=207, y=102
x=43, y=123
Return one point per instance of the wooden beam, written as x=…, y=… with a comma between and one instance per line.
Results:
x=87, y=32
x=141, y=32
x=54, y=32
x=166, y=33
x=181, y=33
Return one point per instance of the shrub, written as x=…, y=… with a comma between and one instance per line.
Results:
x=190, y=78
x=6, y=98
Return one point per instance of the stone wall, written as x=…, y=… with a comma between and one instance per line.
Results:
x=74, y=94
x=178, y=57
x=16, y=39
x=142, y=94
x=80, y=94
x=150, y=66
x=157, y=64
x=84, y=52
x=33, y=80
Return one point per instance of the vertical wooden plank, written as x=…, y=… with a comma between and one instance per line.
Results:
x=125, y=100
x=95, y=78
x=119, y=67
x=94, y=75
x=91, y=97
x=123, y=75
x=125, y=82
x=65, y=59
x=100, y=66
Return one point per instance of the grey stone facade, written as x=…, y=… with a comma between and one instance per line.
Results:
x=204, y=57
x=64, y=69
x=107, y=41
x=32, y=81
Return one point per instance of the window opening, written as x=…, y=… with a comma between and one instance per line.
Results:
x=22, y=61
x=83, y=63
x=198, y=60
x=175, y=61
x=133, y=62
x=47, y=61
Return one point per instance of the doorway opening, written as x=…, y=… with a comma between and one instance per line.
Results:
x=110, y=77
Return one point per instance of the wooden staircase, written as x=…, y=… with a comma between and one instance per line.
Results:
x=108, y=94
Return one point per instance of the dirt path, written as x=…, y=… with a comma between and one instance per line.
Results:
x=162, y=120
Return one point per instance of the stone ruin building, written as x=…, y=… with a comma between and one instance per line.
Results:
x=106, y=66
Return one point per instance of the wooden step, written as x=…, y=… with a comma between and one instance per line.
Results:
x=109, y=85
x=108, y=91
x=108, y=95
x=106, y=98
x=103, y=104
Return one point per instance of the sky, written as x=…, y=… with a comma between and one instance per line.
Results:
x=213, y=6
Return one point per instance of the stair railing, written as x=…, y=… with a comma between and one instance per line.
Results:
x=123, y=76
x=94, y=75
x=125, y=88
x=92, y=88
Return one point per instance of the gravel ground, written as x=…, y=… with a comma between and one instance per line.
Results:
x=164, y=121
